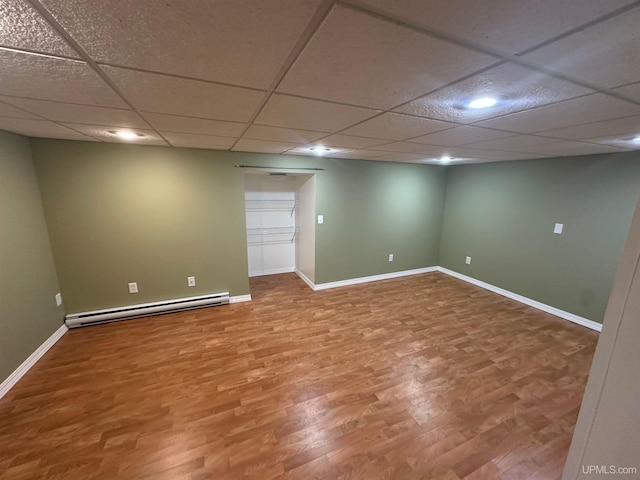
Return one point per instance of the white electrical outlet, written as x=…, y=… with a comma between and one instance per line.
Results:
x=191, y=281
x=320, y=219
x=58, y=299
x=133, y=287
x=391, y=257
x=467, y=260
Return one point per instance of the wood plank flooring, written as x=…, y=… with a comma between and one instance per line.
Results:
x=424, y=377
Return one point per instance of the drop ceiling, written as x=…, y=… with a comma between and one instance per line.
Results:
x=386, y=80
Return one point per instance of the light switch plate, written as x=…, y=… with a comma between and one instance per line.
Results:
x=557, y=229
x=320, y=219
x=58, y=299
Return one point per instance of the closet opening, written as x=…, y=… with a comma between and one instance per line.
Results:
x=280, y=220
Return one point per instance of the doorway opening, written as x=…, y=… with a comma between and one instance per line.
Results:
x=280, y=219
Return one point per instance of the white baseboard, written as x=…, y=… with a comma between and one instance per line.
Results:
x=585, y=322
x=272, y=271
x=19, y=372
x=306, y=279
x=373, y=278
x=240, y=298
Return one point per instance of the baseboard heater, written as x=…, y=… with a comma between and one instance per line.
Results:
x=97, y=317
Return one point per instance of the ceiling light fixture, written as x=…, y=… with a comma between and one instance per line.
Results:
x=483, y=102
x=319, y=150
x=445, y=159
x=126, y=134
x=636, y=139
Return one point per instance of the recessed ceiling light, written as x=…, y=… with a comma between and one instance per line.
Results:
x=126, y=134
x=445, y=159
x=319, y=150
x=482, y=102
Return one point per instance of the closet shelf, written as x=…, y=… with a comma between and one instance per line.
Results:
x=270, y=205
x=271, y=235
x=271, y=230
x=270, y=242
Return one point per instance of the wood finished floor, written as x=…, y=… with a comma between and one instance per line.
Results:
x=423, y=377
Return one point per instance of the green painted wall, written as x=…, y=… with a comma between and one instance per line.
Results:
x=28, y=283
x=372, y=209
x=123, y=213
x=127, y=213
x=503, y=214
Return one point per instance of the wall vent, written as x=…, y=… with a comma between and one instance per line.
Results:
x=96, y=317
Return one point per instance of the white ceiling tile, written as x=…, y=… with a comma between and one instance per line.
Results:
x=539, y=149
x=354, y=58
x=71, y=112
x=39, y=128
x=348, y=141
x=418, y=160
x=277, y=134
x=618, y=127
x=104, y=134
x=468, y=153
x=394, y=126
x=240, y=42
x=614, y=43
x=156, y=93
x=461, y=136
x=625, y=142
x=406, y=147
x=363, y=154
x=7, y=110
x=570, y=148
x=293, y=112
x=360, y=59
x=400, y=157
x=515, y=87
x=510, y=26
x=514, y=143
x=455, y=153
x=632, y=90
x=500, y=155
x=198, y=141
x=587, y=109
x=201, y=126
x=24, y=28
x=34, y=76
x=264, y=146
